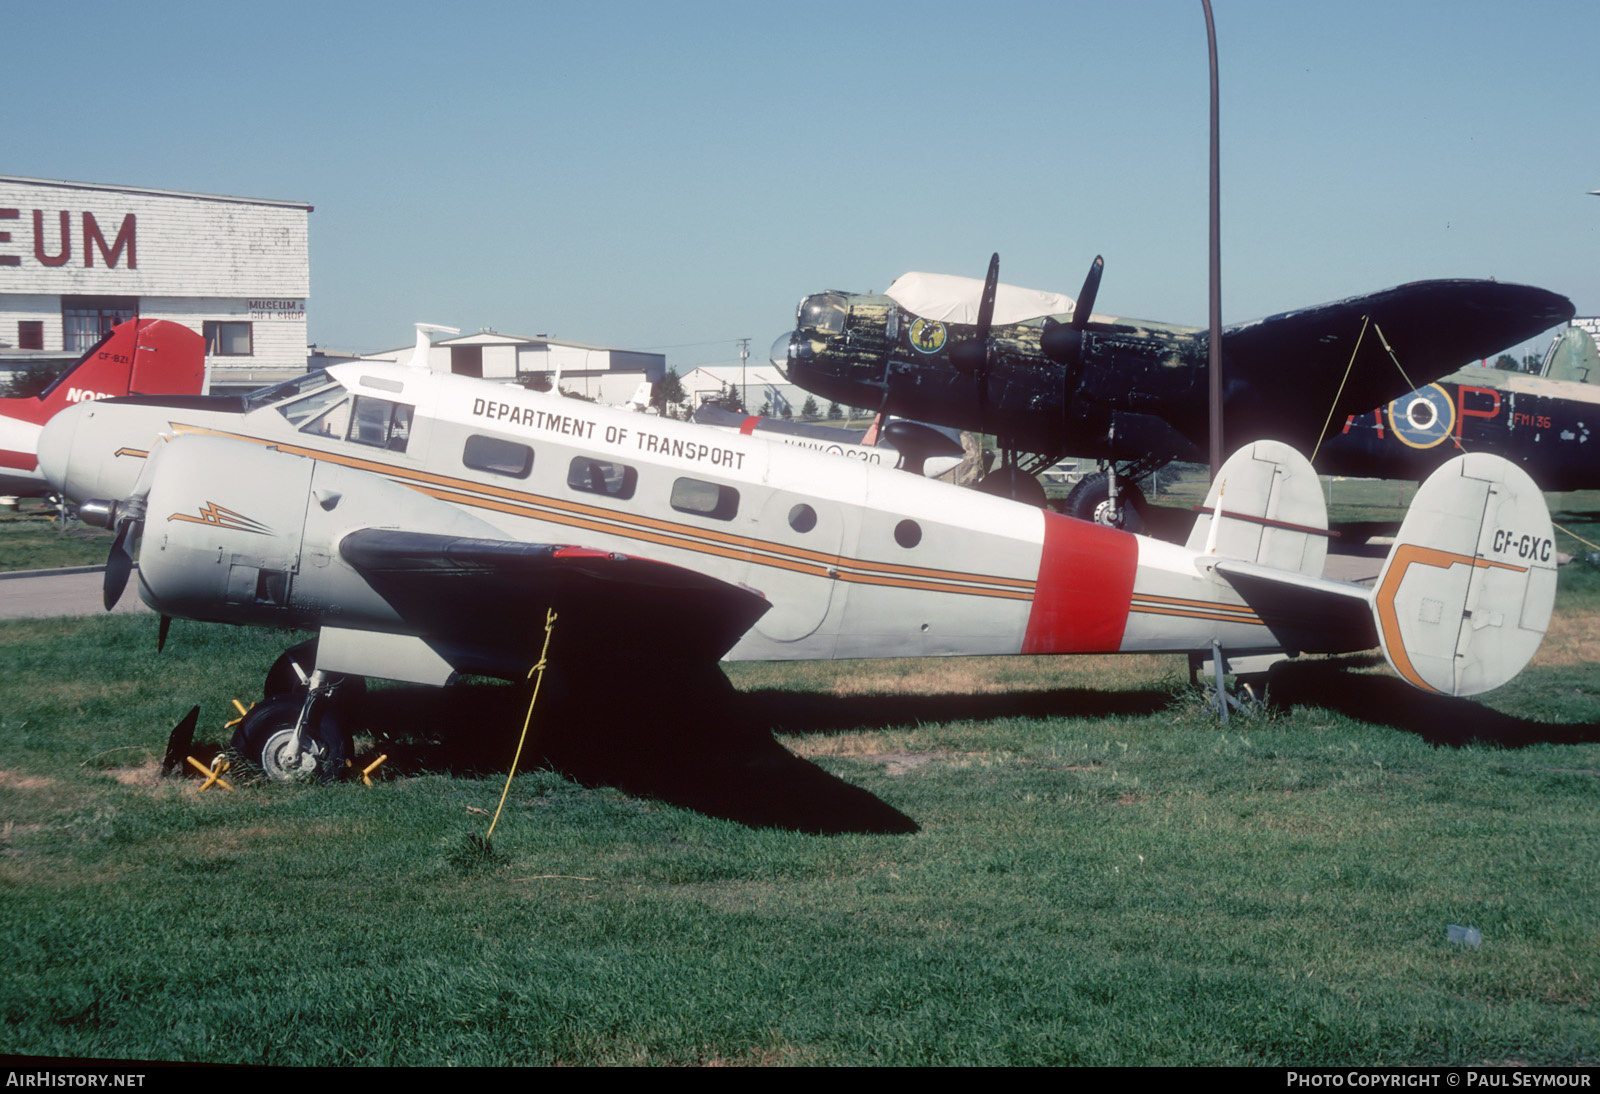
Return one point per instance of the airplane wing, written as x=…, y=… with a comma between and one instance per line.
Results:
x=1298, y=359
x=487, y=593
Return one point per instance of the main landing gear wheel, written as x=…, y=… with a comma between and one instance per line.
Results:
x=1091, y=500
x=1012, y=482
x=265, y=737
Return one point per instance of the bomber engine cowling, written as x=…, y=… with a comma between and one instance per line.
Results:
x=237, y=532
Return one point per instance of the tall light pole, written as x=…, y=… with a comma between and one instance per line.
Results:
x=1215, y=265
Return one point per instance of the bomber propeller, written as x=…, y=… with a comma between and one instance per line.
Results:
x=1063, y=342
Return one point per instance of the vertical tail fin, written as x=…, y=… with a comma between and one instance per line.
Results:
x=1265, y=507
x=139, y=357
x=1465, y=597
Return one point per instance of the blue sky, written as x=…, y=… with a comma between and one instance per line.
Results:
x=679, y=175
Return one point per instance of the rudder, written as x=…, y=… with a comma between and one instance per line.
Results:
x=1465, y=596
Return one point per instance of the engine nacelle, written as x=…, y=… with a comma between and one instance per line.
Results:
x=237, y=532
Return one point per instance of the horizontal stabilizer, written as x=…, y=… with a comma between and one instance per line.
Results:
x=1465, y=597
x=1305, y=614
x=1271, y=512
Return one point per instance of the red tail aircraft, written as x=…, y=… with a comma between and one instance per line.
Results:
x=139, y=357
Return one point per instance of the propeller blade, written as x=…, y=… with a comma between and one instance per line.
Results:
x=119, y=564
x=991, y=282
x=180, y=741
x=973, y=354
x=1091, y=289
x=161, y=633
x=1063, y=342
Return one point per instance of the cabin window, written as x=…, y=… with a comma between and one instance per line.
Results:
x=612, y=480
x=499, y=457
x=380, y=423
x=802, y=518
x=705, y=499
x=908, y=533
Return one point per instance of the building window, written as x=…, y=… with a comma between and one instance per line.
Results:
x=87, y=319
x=227, y=339
x=30, y=334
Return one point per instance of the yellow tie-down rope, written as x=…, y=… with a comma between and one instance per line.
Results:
x=549, y=624
x=1453, y=438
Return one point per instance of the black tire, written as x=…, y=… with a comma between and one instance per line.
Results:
x=1011, y=482
x=281, y=677
x=262, y=738
x=1091, y=500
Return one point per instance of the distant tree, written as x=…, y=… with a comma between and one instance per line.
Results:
x=1507, y=362
x=788, y=412
x=834, y=412
x=810, y=409
x=765, y=410
x=669, y=392
x=1531, y=363
x=730, y=399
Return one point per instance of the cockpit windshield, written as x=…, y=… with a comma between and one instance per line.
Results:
x=287, y=389
x=823, y=312
x=301, y=411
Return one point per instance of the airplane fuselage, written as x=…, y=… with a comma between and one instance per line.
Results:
x=854, y=560
x=1547, y=427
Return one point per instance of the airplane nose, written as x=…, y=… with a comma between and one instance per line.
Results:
x=55, y=445
x=782, y=349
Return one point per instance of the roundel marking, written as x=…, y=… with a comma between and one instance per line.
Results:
x=927, y=335
x=1423, y=418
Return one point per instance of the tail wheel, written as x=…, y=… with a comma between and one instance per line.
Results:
x=265, y=737
x=1091, y=500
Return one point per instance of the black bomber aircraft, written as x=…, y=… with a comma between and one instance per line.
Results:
x=1131, y=393
x=1545, y=423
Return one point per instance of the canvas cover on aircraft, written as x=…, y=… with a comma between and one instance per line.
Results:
x=952, y=299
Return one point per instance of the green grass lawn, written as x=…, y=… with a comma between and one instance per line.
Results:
x=31, y=538
x=1101, y=874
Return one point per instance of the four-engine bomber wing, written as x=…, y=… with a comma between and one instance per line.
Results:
x=1431, y=327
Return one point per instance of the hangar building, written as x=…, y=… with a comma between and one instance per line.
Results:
x=592, y=372
x=76, y=258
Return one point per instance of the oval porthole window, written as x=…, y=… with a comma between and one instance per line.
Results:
x=908, y=533
x=802, y=518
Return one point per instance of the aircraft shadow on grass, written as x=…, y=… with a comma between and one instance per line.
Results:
x=702, y=745
x=705, y=747
x=1436, y=719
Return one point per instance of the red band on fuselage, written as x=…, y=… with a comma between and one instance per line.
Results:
x=1085, y=583
x=22, y=461
x=748, y=426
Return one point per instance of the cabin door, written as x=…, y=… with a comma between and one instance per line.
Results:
x=797, y=543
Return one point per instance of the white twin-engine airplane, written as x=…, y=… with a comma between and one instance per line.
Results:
x=422, y=523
